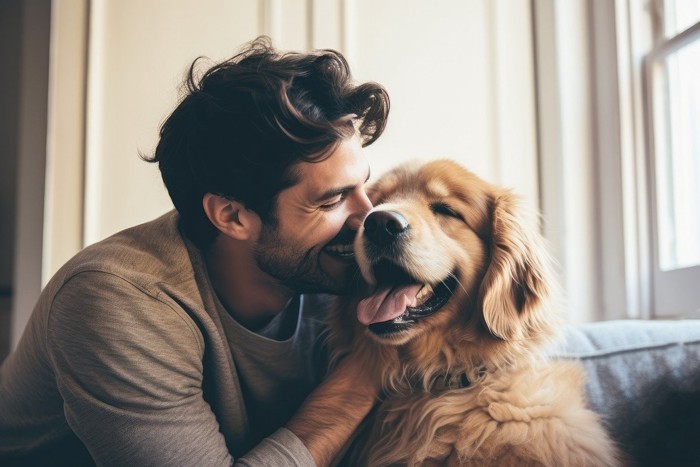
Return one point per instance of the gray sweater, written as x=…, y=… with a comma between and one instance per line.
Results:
x=130, y=359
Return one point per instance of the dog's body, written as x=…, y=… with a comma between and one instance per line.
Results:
x=466, y=378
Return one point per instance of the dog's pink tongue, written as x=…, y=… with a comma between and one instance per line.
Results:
x=386, y=304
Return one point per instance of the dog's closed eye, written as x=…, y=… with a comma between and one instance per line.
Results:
x=443, y=209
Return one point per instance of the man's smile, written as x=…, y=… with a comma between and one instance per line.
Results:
x=341, y=251
x=341, y=247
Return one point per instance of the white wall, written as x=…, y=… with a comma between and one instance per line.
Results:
x=461, y=80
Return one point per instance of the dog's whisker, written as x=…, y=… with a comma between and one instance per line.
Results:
x=459, y=283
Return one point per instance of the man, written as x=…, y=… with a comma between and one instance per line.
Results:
x=186, y=340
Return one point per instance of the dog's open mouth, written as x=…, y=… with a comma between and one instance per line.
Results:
x=400, y=301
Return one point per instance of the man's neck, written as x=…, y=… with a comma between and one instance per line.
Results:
x=249, y=295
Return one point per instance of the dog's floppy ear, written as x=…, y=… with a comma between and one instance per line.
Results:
x=516, y=282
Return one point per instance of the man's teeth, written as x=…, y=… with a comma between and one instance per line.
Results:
x=423, y=294
x=341, y=249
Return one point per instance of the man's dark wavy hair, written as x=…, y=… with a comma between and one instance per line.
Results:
x=244, y=123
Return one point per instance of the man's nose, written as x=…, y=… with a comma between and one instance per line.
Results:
x=361, y=207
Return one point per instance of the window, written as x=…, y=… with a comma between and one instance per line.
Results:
x=678, y=15
x=673, y=77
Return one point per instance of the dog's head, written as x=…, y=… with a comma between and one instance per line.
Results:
x=454, y=260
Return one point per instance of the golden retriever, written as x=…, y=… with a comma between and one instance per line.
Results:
x=459, y=332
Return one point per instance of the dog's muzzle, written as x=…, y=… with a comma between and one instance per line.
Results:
x=386, y=233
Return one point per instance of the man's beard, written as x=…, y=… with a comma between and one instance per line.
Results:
x=293, y=266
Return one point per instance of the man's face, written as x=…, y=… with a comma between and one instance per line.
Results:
x=310, y=247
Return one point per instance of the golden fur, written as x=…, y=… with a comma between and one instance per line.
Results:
x=470, y=384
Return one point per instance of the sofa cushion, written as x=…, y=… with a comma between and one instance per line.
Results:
x=644, y=381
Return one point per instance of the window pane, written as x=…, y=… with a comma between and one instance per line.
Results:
x=678, y=162
x=680, y=15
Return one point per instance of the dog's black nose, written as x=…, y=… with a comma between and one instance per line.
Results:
x=383, y=227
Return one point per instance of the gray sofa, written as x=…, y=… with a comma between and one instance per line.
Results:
x=644, y=380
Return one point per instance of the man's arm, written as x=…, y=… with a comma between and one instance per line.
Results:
x=129, y=369
x=332, y=412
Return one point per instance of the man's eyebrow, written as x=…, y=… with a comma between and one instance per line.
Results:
x=333, y=192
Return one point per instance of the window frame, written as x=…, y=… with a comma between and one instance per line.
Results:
x=674, y=293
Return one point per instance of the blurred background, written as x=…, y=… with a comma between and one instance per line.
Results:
x=589, y=109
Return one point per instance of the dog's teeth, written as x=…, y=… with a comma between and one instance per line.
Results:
x=424, y=293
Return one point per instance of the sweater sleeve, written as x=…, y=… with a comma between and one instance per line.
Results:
x=129, y=368
x=281, y=448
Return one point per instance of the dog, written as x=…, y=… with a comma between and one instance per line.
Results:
x=460, y=331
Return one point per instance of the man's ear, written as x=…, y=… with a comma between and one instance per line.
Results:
x=231, y=217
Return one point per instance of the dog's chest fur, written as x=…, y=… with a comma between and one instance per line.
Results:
x=506, y=416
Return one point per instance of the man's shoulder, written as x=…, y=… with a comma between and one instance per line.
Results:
x=153, y=252
x=142, y=276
